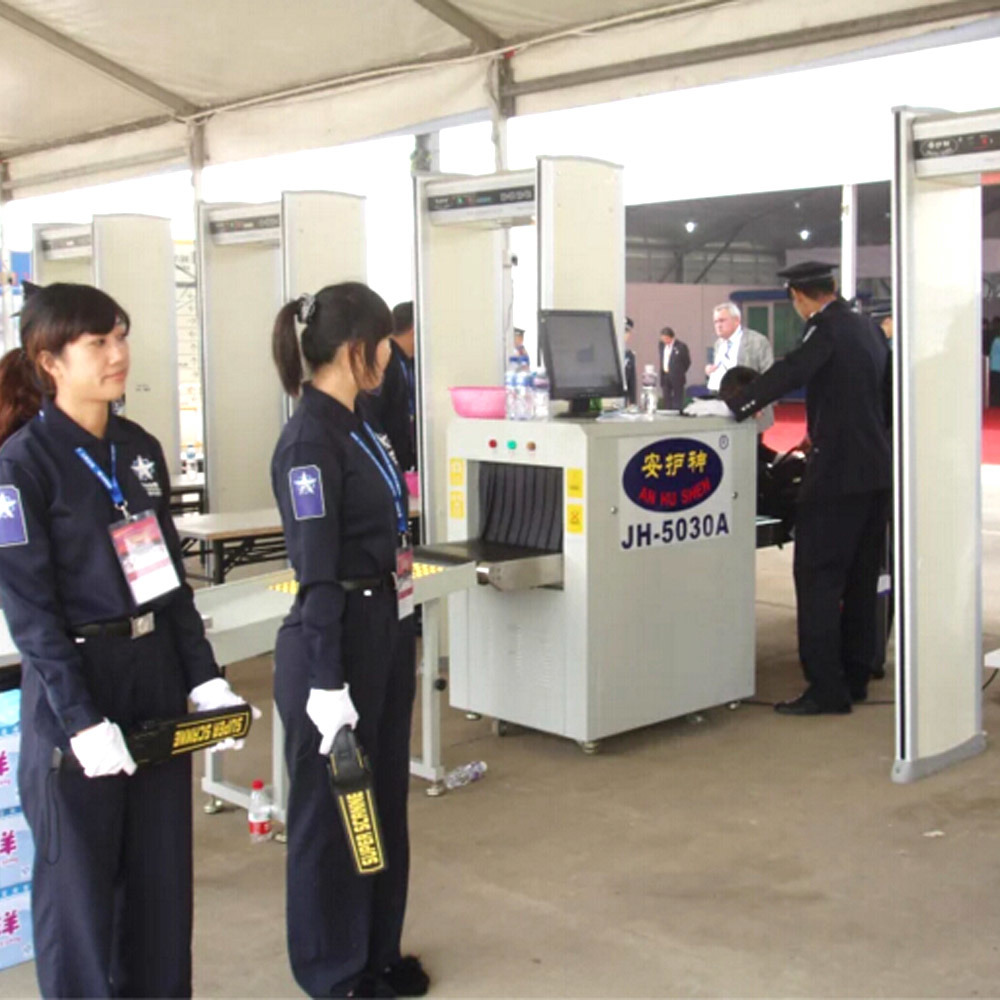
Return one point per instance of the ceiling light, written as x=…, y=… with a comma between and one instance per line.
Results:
x=804, y=234
x=690, y=226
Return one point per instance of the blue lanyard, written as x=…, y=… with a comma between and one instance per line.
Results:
x=388, y=471
x=110, y=483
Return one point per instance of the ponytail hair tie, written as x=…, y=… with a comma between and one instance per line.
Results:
x=306, y=307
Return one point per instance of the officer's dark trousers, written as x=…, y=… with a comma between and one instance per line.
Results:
x=111, y=893
x=836, y=563
x=340, y=924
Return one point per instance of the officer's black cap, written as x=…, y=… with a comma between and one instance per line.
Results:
x=880, y=308
x=806, y=273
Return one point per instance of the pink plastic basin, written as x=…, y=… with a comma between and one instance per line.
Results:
x=484, y=401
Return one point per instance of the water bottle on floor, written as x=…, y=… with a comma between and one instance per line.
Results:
x=465, y=774
x=259, y=813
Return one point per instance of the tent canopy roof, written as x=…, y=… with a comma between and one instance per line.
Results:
x=107, y=88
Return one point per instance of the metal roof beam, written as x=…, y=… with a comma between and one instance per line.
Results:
x=856, y=27
x=96, y=61
x=481, y=37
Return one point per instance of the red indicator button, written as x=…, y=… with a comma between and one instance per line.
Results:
x=493, y=442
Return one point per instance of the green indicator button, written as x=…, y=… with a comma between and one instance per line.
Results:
x=511, y=445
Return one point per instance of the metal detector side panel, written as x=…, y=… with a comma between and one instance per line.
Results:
x=134, y=263
x=322, y=240
x=937, y=247
x=244, y=404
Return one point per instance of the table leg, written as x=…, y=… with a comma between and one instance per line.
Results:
x=218, y=568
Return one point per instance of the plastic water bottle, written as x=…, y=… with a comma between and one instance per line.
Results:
x=524, y=395
x=465, y=774
x=510, y=387
x=259, y=813
x=648, y=398
x=541, y=395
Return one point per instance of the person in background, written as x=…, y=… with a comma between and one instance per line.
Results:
x=345, y=654
x=105, y=646
x=736, y=345
x=392, y=407
x=630, y=385
x=675, y=360
x=844, y=499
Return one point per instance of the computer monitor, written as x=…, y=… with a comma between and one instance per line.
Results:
x=581, y=356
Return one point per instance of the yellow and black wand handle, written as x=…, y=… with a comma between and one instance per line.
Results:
x=351, y=782
x=161, y=739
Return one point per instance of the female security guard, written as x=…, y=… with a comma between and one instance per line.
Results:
x=111, y=893
x=345, y=654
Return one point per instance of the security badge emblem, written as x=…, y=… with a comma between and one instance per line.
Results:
x=13, y=530
x=305, y=482
x=145, y=471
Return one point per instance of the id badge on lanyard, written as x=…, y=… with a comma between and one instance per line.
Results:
x=138, y=541
x=404, y=578
x=404, y=550
x=144, y=557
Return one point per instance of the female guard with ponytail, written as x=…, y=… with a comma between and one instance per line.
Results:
x=91, y=582
x=345, y=654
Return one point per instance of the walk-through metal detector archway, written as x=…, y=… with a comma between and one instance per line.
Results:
x=941, y=162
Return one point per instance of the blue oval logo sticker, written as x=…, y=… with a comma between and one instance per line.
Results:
x=672, y=475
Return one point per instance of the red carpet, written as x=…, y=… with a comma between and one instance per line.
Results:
x=790, y=427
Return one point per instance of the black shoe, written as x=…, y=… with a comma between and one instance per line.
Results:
x=406, y=978
x=878, y=673
x=859, y=694
x=805, y=704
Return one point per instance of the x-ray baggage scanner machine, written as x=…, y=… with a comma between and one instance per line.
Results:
x=640, y=606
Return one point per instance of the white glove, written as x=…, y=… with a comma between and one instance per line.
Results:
x=330, y=711
x=101, y=750
x=214, y=694
x=707, y=408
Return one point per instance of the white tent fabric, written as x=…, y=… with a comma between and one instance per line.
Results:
x=97, y=90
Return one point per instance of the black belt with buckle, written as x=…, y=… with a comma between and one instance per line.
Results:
x=386, y=581
x=132, y=628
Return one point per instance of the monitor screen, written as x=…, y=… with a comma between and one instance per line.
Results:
x=580, y=353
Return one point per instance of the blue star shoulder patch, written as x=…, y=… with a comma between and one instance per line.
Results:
x=13, y=530
x=306, y=485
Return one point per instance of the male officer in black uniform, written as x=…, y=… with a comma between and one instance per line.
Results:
x=844, y=501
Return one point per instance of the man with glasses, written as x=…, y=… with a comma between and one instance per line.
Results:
x=738, y=346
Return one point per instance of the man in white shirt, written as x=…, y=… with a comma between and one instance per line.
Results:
x=737, y=346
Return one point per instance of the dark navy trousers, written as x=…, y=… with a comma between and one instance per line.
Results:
x=341, y=925
x=836, y=565
x=111, y=893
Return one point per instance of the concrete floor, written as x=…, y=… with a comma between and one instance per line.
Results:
x=736, y=854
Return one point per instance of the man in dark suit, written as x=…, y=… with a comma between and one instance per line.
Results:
x=844, y=498
x=675, y=360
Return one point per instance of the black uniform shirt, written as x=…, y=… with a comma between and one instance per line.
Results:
x=391, y=408
x=339, y=520
x=843, y=365
x=65, y=572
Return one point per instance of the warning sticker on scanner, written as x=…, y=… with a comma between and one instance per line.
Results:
x=671, y=491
